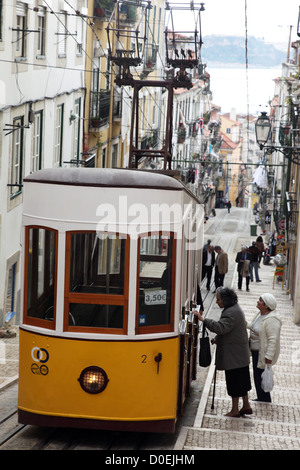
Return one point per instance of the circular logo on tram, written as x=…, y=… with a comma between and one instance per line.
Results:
x=39, y=355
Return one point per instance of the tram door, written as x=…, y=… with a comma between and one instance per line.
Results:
x=188, y=328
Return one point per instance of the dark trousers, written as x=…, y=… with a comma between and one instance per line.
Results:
x=207, y=271
x=240, y=281
x=261, y=395
x=219, y=278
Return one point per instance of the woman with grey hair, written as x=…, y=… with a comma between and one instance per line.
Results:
x=264, y=340
x=232, y=354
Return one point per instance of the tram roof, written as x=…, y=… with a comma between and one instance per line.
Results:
x=105, y=177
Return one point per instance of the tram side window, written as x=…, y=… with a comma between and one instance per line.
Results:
x=156, y=273
x=97, y=289
x=40, y=276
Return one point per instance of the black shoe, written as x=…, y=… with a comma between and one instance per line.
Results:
x=248, y=290
x=259, y=280
x=261, y=401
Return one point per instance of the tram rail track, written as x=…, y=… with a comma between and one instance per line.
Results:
x=28, y=437
x=9, y=421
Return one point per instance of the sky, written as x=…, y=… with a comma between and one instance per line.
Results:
x=266, y=19
x=269, y=19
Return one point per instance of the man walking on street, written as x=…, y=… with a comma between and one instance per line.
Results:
x=221, y=267
x=208, y=261
x=254, y=251
x=243, y=258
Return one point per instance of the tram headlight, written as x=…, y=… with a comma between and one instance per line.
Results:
x=93, y=379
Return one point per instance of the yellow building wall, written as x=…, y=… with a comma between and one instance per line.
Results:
x=104, y=138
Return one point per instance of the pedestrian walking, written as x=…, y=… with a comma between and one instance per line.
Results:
x=243, y=259
x=232, y=354
x=228, y=206
x=208, y=262
x=264, y=340
x=255, y=252
x=205, y=247
x=221, y=266
x=260, y=245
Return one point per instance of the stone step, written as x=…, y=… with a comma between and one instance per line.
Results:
x=201, y=439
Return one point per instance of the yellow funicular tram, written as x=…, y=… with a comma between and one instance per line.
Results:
x=110, y=270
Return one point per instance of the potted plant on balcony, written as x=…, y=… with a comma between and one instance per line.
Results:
x=99, y=12
x=102, y=7
x=181, y=134
x=95, y=121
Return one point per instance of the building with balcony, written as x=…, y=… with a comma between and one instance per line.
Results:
x=41, y=108
x=109, y=104
x=233, y=188
x=283, y=149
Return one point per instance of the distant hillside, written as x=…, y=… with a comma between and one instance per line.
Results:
x=230, y=50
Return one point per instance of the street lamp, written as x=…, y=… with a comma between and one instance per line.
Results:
x=262, y=131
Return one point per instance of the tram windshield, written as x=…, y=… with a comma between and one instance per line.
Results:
x=96, y=296
x=96, y=263
x=155, y=280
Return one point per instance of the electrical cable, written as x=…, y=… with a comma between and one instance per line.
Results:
x=247, y=77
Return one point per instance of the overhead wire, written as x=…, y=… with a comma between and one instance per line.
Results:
x=247, y=76
x=88, y=23
x=86, y=19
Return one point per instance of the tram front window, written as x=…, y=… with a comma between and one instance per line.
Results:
x=97, y=264
x=40, y=273
x=156, y=272
x=96, y=315
x=97, y=292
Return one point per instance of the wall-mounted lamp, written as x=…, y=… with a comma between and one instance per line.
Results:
x=262, y=131
x=30, y=114
x=13, y=127
x=73, y=117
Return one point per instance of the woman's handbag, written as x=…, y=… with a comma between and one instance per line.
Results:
x=204, y=354
x=267, y=382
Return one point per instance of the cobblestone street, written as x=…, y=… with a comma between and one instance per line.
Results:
x=272, y=426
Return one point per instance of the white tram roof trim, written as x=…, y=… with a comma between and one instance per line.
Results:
x=105, y=177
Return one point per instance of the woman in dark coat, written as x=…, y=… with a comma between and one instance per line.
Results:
x=232, y=353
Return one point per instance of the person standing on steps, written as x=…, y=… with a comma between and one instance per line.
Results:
x=205, y=247
x=260, y=245
x=232, y=354
x=221, y=267
x=264, y=340
x=243, y=259
x=208, y=261
x=255, y=252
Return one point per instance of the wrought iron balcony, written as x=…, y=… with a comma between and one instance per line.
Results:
x=291, y=216
x=99, y=108
x=117, y=103
x=181, y=136
x=103, y=8
x=150, y=57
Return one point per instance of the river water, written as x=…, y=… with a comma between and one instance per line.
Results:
x=236, y=88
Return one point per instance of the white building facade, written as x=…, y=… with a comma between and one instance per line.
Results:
x=42, y=93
